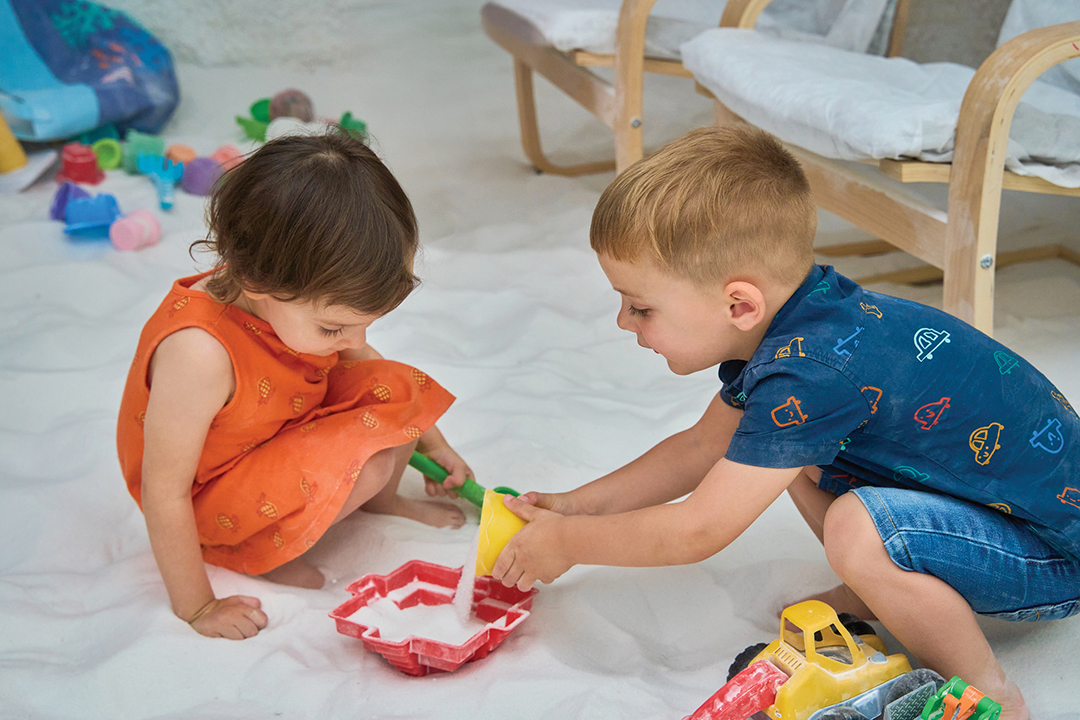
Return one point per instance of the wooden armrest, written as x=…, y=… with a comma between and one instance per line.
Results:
x=992, y=96
x=742, y=13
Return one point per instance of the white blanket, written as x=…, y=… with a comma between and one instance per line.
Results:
x=591, y=24
x=854, y=106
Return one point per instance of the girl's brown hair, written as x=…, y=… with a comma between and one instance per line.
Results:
x=718, y=202
x=316, y=218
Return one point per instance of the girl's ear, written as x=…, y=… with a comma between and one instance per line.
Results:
x=745, y=304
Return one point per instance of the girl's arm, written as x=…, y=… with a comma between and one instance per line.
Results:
x=191, y=379
x=671, y=469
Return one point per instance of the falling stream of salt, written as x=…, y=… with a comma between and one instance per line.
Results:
x=463, y=596
x=451, y=623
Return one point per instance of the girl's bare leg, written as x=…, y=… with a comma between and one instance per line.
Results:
x=386, y=501
x=926, y=614
x=375, y=491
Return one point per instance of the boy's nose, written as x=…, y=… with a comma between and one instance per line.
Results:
x=623, y=320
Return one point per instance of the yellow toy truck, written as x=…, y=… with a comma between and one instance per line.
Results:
x=826, y=662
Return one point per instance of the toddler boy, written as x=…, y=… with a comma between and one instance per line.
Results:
x=939, y=469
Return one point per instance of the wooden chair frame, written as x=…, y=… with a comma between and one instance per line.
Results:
x=961, y=242
x=617, y=104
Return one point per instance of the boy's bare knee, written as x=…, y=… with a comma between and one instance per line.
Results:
x=849, y=533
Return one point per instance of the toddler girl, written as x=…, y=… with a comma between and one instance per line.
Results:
x=255, y=414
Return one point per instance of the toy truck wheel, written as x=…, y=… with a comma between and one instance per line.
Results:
x=911, y=681
x=742, y=660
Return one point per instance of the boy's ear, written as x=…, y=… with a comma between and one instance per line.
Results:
x=745, y=304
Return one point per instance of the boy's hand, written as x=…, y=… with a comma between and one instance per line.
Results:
x=236, y=618
x=561, y=503
x=534, y=552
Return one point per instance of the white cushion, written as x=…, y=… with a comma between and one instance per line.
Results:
x=591, y=24
x=855, y=106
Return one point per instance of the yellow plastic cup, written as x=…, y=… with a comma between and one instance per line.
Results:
x=497, y=526
x=12, y=156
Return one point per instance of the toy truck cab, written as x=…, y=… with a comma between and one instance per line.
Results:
x=826, y=663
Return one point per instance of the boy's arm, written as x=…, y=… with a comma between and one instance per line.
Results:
x=726, y=502
x=191, y=380
x=671, y=469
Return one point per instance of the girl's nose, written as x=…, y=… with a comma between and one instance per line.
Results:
x=358, y=340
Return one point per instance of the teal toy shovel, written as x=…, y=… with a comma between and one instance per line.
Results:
x=470, y=490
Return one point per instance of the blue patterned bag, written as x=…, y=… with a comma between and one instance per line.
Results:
x=69, y=67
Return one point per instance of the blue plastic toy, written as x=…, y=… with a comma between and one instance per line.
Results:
x=165, y=173
x=90, y=217
x=67, y=192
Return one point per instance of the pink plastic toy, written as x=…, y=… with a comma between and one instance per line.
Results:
x=751, y=690
x=80, y=164
x=492, y=603
x=137, y=230
x=228, y=156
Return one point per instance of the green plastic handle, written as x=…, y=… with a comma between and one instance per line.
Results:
x=470, y=490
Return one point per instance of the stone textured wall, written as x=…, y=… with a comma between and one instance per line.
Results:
x=331, y=32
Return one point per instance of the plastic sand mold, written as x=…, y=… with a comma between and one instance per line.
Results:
x=500, y=610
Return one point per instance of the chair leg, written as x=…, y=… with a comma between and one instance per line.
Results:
x=530, y=131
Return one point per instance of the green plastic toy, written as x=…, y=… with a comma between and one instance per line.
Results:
x=470, y=490
x=956, y=699
x=255, y=126
x=354, y=126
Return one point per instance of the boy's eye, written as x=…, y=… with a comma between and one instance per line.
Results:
x=331, y=333
x=640, y=312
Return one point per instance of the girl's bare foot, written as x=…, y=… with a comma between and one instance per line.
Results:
x=842, y=600
x=296, y=573
x=436, y=514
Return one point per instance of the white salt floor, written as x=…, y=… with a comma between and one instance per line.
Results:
x=517, y=320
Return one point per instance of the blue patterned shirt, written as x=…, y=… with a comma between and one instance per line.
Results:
x=884, y=391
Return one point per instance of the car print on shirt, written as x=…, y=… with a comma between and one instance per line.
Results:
x=984, y=441
x=906, y=472
x=1005, y=362
x=872, y=397
x=789, y=413
x=840, y=342
x=870, y=309
x=792, y=348
x=1070, y=496
x=1061, y=399
x=927, y=340
x=928, y=415
x=1049, y=438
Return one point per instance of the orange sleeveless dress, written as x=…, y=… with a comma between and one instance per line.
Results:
x=283, y=454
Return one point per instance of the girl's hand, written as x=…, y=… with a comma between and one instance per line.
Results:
x=533, y=553
x=236, y=618
x=452, y=462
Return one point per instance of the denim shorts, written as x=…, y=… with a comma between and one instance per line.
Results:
x=997, y=563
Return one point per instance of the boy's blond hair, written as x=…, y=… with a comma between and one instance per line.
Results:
x=712, y=205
